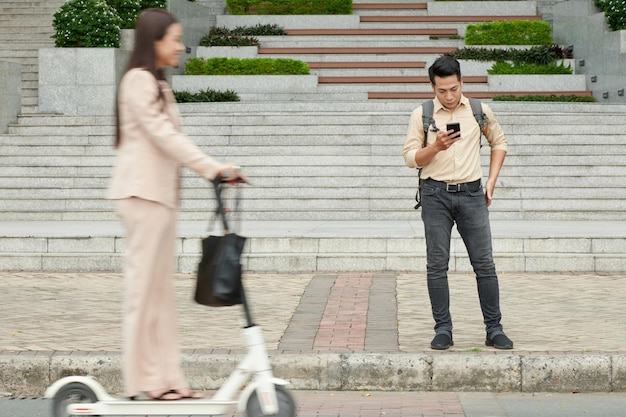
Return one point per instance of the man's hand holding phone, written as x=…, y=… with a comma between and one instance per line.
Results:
x=455, y=128
x=447, y=138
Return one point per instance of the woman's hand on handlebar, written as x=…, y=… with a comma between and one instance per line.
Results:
x=231, y=173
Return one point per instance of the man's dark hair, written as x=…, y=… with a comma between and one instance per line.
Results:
x=444, y=66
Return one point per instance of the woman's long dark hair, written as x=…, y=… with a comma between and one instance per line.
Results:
x=151, y=26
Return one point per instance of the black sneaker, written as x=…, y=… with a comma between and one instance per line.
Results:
x=499, y=341
x=442, y=341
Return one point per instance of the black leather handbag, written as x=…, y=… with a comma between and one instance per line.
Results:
x=219, y=271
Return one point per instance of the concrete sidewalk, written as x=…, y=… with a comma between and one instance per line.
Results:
x=343, y=331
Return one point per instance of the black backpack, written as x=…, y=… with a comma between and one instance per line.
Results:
x=428, y=121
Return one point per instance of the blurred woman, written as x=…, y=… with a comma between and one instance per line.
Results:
x=145, y=186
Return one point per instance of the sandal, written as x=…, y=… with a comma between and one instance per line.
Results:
x=191, y=395
x=171, y=395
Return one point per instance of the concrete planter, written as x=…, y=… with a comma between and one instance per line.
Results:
x=247, y=84
x=127, y=39
x=538, y=82
x=227, y=51
x=79, y=81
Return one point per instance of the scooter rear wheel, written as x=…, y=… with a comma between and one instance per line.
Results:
x=72, y=393
x=286, y=404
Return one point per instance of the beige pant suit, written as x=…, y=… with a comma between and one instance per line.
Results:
x=145, y=187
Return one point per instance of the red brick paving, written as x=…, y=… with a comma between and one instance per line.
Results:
x=344, y=320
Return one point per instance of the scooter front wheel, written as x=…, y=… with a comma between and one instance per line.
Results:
x=286, y=404
x=72, y=393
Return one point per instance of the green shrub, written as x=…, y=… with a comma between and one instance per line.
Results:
x=240, y=36
x=284, y=7
x=581, y=99
x=509, y=32
x=127, y=10
x=501, y=68
x=207, y=95
x=245, y=66
x=86, y=23
x=615, y=12
x=224, y=37
x=259, y=30
x=544, y=54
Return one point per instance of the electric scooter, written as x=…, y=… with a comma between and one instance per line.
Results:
x=263, y=395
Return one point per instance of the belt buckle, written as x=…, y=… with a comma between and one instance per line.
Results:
x=452, y=188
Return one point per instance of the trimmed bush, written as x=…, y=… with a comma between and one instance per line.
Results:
x=240, y=36
x=543, y=55
x=503, y=68
x=87, y=24
x=245, y=66
x=259, y=30
x=127, y=10
x=568, y=99
x=286, y=7
x=224, y=37
x=204, y=96
x=615, y=12
x=509, y=32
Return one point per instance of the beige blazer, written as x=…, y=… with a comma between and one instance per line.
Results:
x=152, y=148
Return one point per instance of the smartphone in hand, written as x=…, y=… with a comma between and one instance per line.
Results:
x=456, y=127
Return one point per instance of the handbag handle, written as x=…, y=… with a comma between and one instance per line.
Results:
x=218, y=185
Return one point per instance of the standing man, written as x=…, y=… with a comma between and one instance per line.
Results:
x=452, y=193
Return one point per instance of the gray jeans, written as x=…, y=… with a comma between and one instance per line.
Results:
x=468, y=209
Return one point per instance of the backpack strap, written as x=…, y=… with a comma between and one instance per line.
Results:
x=479, y=114
x=428, y=107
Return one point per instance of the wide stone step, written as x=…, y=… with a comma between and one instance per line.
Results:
x=445, y=19
x=423, y=95
x=358, y=50
x=348, y=123
x=350, y=42
x=393, y=80
x=372, y=32
x=300, y=129
x=366, y=65
x=519, y=246
x=389, y=6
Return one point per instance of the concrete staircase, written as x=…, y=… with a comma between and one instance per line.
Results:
x=25, y=27
x=384, y=52
x=330, y=191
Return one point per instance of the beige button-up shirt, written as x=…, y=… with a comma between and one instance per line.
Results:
x=461, y=162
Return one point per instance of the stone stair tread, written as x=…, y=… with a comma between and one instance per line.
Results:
x=361, y=50
x=382, y=5
x=365, y=64
x=442, y=19
x=385, y=32
x=390, y=95
x=393, y=79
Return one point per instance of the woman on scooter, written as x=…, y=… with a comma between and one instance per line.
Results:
x=145, y=186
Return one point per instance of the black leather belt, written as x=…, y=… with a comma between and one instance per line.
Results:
x=454, y=188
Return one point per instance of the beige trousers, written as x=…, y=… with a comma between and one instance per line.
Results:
x=151, y=353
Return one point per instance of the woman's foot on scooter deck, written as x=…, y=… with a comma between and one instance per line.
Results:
x=173, y=395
